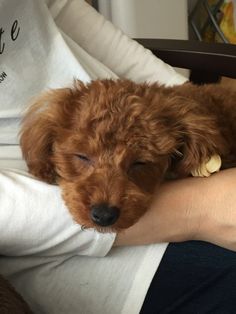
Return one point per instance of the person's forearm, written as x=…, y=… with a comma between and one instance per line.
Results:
x=189, y=209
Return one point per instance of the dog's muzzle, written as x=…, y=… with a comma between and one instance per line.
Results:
x=104, y=215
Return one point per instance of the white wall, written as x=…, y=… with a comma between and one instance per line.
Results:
x=148, y=18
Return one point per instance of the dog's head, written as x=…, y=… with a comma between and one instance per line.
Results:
x=107, y=144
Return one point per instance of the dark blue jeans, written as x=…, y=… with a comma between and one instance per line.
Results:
x=193, y=278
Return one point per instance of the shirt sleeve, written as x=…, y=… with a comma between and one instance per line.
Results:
x=35, y=221
x=106, y=43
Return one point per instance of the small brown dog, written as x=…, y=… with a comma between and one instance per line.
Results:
x=109, y=144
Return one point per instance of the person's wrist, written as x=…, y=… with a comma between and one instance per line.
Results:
x=184, y=221
x=209, y=224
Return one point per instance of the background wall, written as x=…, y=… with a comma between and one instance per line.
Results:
x=148, y=18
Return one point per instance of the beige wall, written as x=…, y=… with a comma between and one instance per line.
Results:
x=148, y=19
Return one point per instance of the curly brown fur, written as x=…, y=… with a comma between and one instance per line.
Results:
x=111, y=143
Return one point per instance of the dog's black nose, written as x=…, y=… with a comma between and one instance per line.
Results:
x=104, y=215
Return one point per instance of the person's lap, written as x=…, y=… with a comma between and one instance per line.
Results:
x=193, y=277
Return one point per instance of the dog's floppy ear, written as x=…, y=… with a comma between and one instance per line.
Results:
x=199, y=137
x=39, y=129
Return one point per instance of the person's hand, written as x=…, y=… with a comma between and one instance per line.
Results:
x=190, y=209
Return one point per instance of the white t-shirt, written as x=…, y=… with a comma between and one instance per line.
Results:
x=57, y=267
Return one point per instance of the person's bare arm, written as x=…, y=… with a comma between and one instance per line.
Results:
x=190, y=209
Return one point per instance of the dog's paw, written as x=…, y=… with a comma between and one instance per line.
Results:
x=208, y=167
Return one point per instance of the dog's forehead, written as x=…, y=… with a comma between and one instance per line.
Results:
x=111, y=114
x=113, y=127
x=114, y=114
x=115, y=142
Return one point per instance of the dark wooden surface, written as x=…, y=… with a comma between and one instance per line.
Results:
x=218, y=59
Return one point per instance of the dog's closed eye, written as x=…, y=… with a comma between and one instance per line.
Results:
x=83, y=158
x=136, y=167
x=138, y=164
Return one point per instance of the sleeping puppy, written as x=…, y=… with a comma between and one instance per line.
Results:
x=109, y=144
